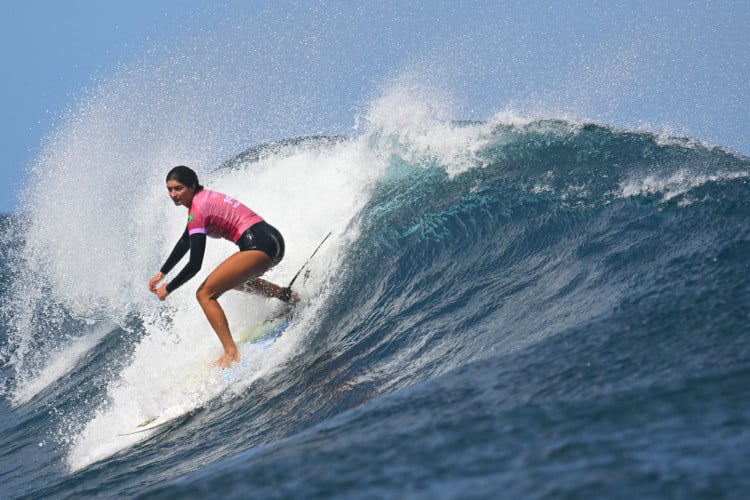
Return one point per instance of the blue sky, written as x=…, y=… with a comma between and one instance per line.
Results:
x=681, y=66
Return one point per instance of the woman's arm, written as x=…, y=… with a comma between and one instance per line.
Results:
x=178, y=252
x=197, y=245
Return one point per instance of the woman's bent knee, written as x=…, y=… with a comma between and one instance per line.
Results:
x=205, y=294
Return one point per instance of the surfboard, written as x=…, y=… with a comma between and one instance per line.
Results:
x=263, y=334
x=266, y=332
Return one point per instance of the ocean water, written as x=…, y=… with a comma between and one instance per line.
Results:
x=513, y=308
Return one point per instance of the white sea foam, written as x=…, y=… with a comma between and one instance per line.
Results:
x=305, y=195
x=674, y=184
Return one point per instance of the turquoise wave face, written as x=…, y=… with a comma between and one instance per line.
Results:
x=553, y=226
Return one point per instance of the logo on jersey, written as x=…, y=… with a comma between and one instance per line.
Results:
x=231, y=201
x=191, y=218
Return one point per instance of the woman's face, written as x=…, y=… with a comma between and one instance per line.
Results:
x=180, y=193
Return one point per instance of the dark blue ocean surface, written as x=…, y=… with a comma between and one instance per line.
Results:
x=563, y=316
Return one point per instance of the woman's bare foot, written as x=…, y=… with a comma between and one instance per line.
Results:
x=227, y=359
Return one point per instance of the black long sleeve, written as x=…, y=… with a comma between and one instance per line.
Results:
x=197, y=245
x=178, y=252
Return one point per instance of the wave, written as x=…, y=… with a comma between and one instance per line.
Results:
x=457, y=248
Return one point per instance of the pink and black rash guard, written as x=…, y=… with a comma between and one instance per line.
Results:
x=219, y=216
x=211, y=214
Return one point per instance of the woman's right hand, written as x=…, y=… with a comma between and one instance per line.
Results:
x=155, y=281
x=162, y=292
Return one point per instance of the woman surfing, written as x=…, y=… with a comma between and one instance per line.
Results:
x=216, y=215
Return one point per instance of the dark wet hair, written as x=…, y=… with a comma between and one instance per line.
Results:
x=184, y=175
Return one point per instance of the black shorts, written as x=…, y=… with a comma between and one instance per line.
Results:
x=264, y=237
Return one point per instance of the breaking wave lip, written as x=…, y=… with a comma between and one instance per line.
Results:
x=284, y=147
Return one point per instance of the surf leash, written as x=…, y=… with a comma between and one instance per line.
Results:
x=289, y=286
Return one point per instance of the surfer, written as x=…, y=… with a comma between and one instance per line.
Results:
x=217, y=215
